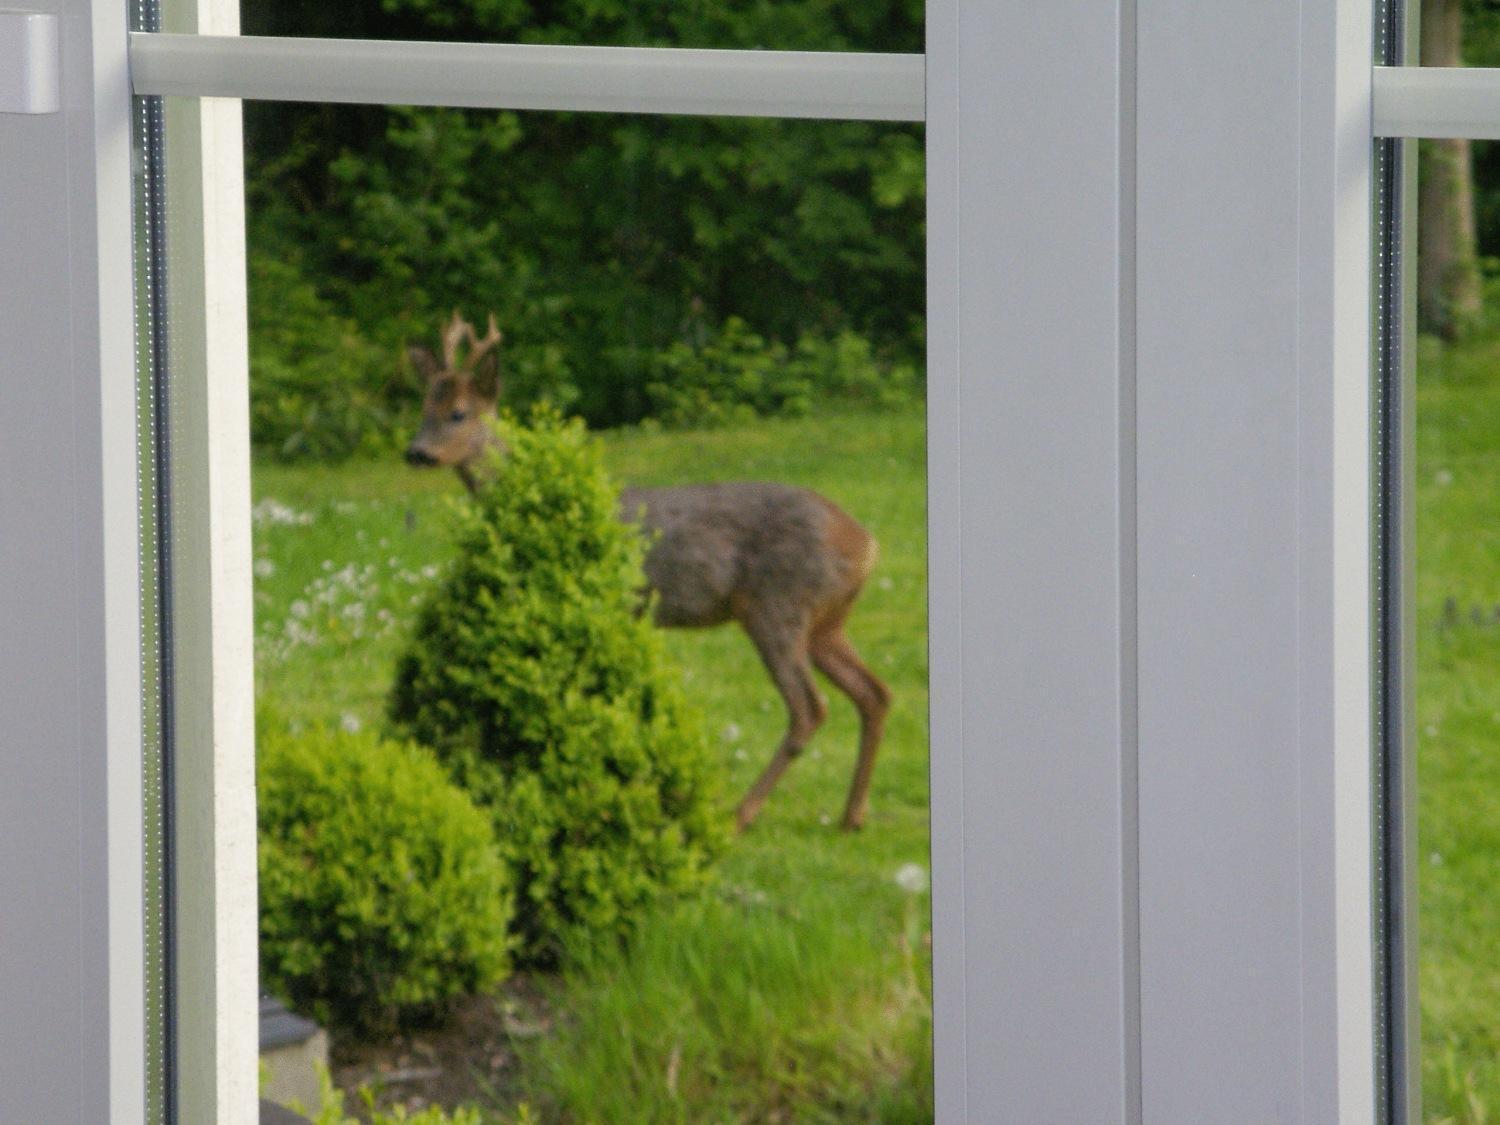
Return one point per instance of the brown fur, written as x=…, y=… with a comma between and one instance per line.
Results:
x=783, y=562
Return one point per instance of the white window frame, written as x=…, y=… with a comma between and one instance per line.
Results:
x=1150, y=537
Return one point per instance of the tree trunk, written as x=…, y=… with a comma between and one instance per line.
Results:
x=1448, y=288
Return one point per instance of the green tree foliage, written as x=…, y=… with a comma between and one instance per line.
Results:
x=1481, y=47
x=383, y=894
x=735, y=374
x=534, y=675
x=599, y=240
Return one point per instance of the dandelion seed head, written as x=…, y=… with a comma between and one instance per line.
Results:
x=911, y=878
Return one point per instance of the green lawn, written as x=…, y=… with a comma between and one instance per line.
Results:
x=1458, y=727
x=799, y=989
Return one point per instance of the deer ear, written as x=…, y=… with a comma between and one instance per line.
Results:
x=487, y=376
x=424, y=361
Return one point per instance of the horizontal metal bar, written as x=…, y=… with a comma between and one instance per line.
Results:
x=1437, y=101
x=832, y=85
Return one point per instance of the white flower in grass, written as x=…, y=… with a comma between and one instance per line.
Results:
x=731, y=732
x=275, y=513
x=264, y=568
x=1444, y=477
x=300, y=608
x=349, y=722
x=886, y=583
x=911, y=878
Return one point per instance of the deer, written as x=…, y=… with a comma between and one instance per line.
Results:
x=784, y=563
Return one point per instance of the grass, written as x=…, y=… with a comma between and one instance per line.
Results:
x=800, y=988
x=1458, y=726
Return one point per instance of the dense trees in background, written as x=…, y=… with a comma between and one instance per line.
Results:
x=1449, y=293
x=601, y=242
x=1459, y=221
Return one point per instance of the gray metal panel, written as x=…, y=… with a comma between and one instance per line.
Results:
x=70, y=808
x=1254, y=555
x=1216, y=480
x=1437, y=101
x=825, y=84
x=1032, y=939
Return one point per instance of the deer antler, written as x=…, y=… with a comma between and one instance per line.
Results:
x=478, y=347
x=453, y=335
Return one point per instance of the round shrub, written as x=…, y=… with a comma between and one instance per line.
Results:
x=383, y=893
x=537, y=678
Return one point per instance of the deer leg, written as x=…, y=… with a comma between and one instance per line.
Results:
x=836, y=659
x=785, y=655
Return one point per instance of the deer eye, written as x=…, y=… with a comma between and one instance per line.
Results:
x=458, y=415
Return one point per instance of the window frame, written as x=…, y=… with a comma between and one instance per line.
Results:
x=1070, y=419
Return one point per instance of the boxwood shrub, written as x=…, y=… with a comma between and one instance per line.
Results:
x=383, y=894
x=535, y=675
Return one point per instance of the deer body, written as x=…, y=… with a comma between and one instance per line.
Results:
x=784, y=563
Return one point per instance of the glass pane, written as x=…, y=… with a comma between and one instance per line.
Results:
x=782, y=25
x=499, y=856
x=1457, y=596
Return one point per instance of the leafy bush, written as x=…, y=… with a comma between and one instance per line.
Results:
x=331, y=1101
x=734, y=375
x=731, y=376
x=319, y=389
x=383, y=893
x=845, y=368
x=546, y=691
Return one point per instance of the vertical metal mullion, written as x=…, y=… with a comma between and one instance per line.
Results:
x=154, y=478
x=1398, y=1043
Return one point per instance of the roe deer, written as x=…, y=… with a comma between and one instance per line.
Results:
x=783, y=562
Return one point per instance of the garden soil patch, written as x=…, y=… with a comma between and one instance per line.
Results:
x=471, y=1058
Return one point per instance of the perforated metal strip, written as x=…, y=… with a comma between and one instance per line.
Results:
x=155, y=576
x=1396, y=1047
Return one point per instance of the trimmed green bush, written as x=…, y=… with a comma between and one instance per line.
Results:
x=538, y=680
x=383, y=894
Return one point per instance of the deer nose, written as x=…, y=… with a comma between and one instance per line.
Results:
x=415, y=456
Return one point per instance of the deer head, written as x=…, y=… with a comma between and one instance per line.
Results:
x=456, y=428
